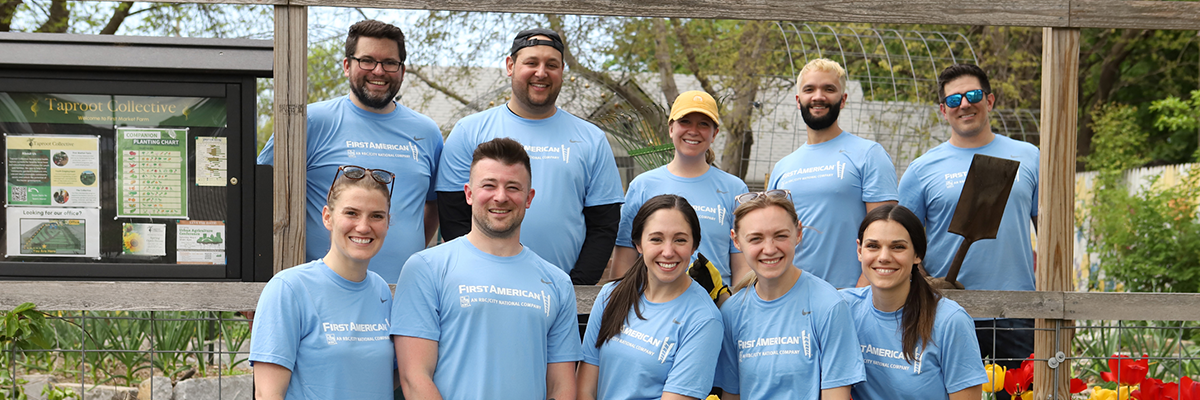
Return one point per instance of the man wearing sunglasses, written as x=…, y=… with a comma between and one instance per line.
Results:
x=931, y=187
x=573, y=223
x=836, y=177
x=368, y=128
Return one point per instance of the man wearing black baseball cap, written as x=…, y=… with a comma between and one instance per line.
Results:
x=573, y=222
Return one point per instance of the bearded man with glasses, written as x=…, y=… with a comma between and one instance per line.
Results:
x=931, y=187
x=368, y=127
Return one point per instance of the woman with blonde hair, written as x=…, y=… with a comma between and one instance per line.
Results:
x=321, y=328
x=693, y=123
x=788, y=334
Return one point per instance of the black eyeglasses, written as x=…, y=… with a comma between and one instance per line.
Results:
x=354, y=172
x=368, y=64
x=955, y=100
x=780, y=193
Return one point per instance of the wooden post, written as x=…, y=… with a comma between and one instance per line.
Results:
x=1056, y=201
x=291, y=97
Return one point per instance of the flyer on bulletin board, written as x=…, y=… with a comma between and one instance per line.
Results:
x=52, y=171
x=144, y=239
x=200, y=242
x=212, y=158
x=152, y=181
x=53, y=232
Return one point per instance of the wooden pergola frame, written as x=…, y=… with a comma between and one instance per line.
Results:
x=1060, y=20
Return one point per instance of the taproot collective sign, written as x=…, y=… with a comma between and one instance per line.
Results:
x=107, y=110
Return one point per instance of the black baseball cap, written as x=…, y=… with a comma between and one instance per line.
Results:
x=524, y=40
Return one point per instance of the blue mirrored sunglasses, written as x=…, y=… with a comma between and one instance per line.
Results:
x=955, y=100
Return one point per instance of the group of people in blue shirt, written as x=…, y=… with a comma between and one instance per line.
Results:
x=491, y=313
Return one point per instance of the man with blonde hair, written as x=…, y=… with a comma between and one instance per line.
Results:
x=835, y=177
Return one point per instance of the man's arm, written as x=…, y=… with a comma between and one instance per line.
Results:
x=602, y=222
x=454, y=214
x=587, y=378
x=730, y=396
x=417, y=359
x=431, y=221
x=560, y=380
x=270, y=381
x=622, y=258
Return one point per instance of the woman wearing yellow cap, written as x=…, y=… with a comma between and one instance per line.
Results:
x=693, y=122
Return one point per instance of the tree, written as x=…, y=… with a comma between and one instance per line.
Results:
x=151, y=19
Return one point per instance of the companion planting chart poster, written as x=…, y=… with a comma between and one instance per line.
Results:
x=152, y=176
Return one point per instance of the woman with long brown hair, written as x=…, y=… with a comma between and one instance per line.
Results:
x=654, y=333
x=916, y=344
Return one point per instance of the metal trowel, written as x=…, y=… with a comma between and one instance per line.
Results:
x=981, y=205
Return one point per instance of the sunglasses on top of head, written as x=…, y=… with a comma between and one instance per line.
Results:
x=955, y=100
x=354, y=172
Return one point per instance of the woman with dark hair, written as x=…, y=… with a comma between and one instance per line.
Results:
x=788, y=335
x=321, y=328
x=916, y=344
x=654, y=333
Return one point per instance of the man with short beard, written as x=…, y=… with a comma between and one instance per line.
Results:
x=368, y=128
x=574, y=222
x=835, y=177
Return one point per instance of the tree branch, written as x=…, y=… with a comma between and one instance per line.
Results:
x=8, y=8
x=630, y=93
x=118, y=17
x=690, y=55
x=662, y=54
x=58, y=20
x=444, y=90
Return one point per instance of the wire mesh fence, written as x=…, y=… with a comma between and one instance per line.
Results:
x=121, y=354
x=1145, y=360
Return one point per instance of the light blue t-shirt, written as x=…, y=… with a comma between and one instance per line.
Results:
x=931, y=187
x=711, y=194
x=402, y=142
x=788, y=348
x=573, y=167
x=949, y=364
x=830, y=184
x=498, y=320
x=330, y=332
x=673, y=350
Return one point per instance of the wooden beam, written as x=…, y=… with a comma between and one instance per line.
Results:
x=291, y=99
x=1003, y=12
x=237, y=296
x=1056, y=201
x=1135, y=14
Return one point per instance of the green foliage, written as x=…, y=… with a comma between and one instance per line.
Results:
x=51, y=392
x=24, y=327
x=1149, y=240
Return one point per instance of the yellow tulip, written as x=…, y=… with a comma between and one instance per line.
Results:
x=995, y=374
x=1099, y=393
x=1028, y=395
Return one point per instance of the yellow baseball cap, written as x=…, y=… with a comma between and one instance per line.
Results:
x=695, y=101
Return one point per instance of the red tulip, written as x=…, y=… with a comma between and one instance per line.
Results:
x=1077, y=385
x=1126, y=371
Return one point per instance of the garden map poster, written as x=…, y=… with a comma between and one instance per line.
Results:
x=53, y=232
x=152, y=181
x=53, y=171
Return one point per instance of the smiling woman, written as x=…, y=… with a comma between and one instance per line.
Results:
x=301, y=347
x=916, y=344
x=659, y=332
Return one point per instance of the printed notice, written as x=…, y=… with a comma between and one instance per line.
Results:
x=53, y=232
x=153, y=173
x=211, y=161
x=144, y=239
x=53, y=171
x=200, y=242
